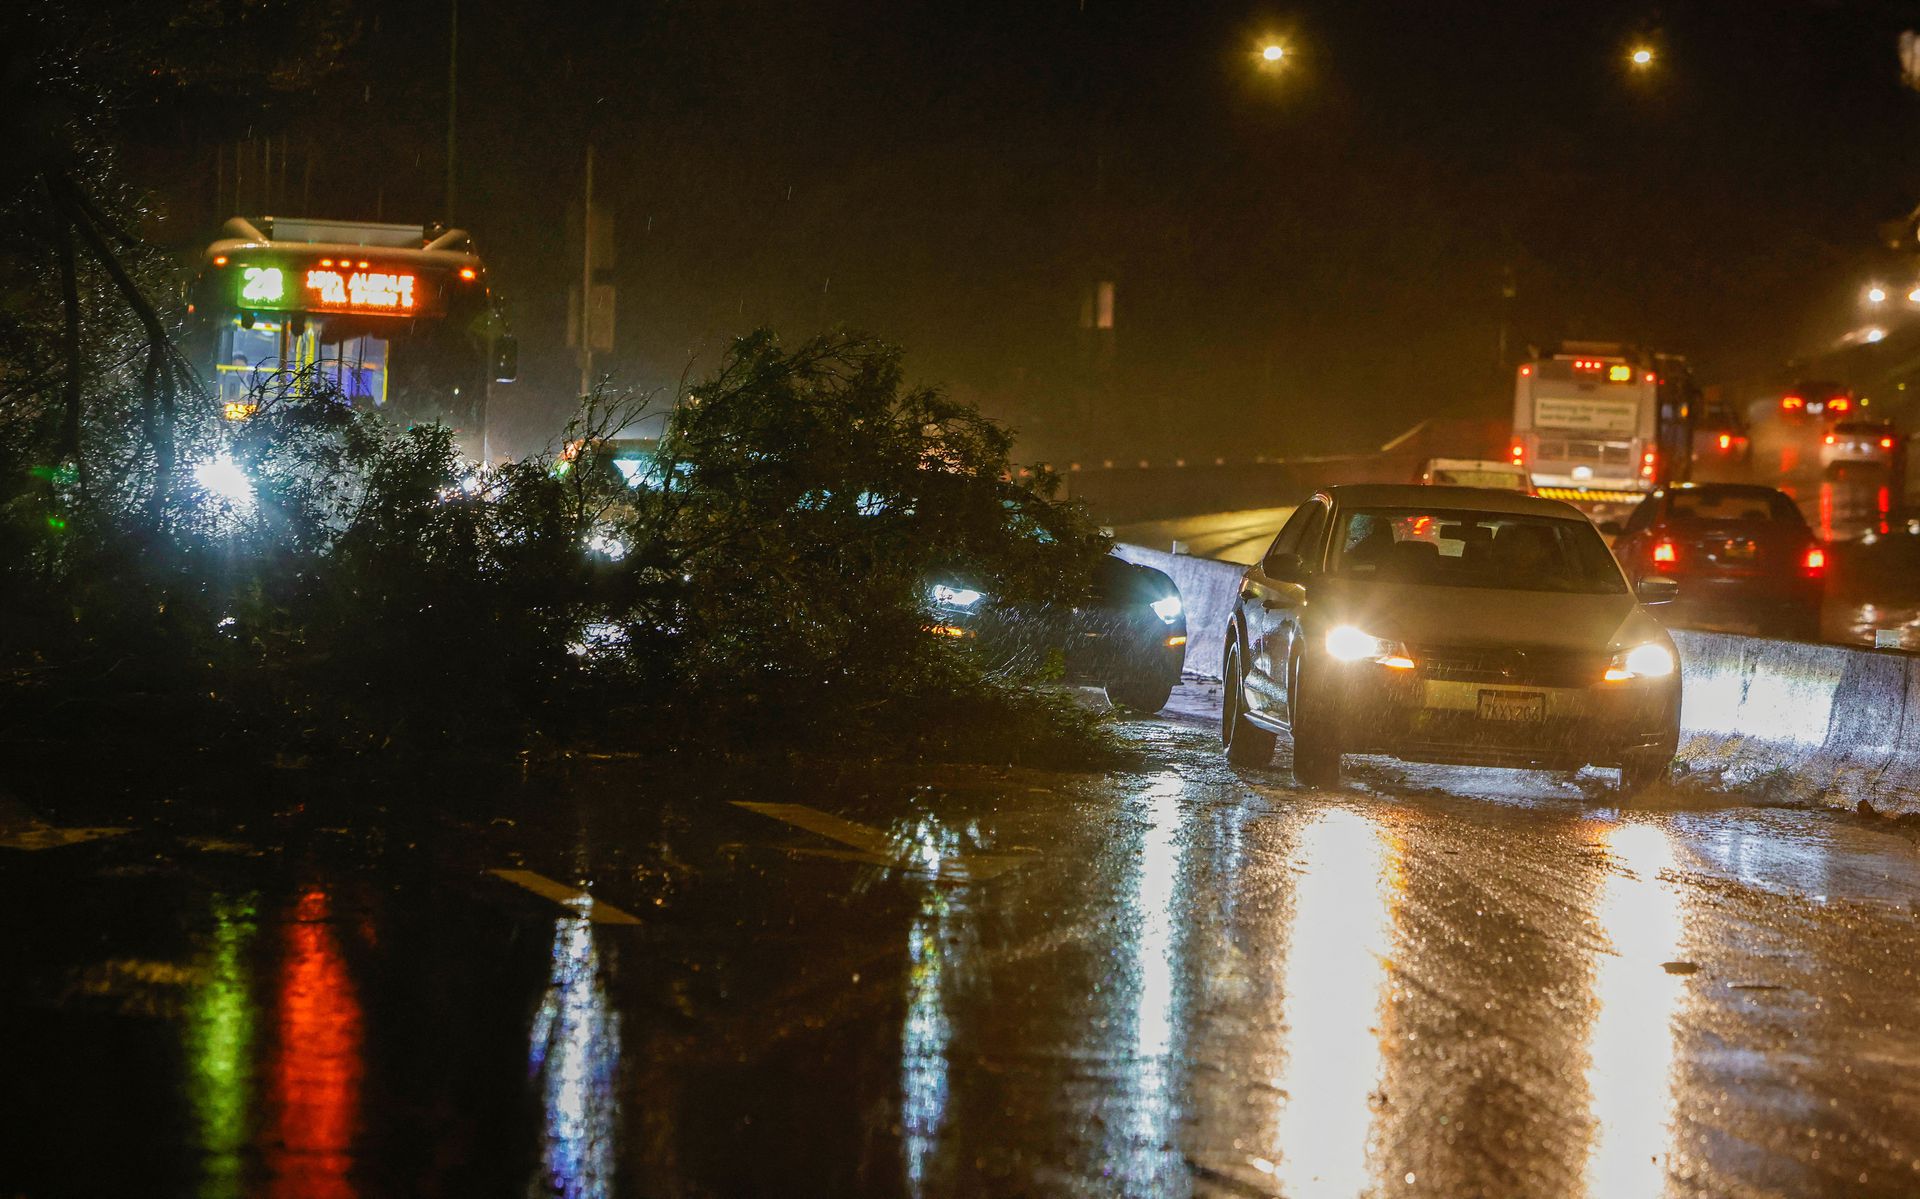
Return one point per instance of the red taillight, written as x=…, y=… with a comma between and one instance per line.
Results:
x=1519, y=454
x=1791, y=403
x=1829, y=439
x=1726, y=441
x=1886, y=443
x=1525, y=371
x=1816, y=560
x=1664, y=554
x=1839, y=404
x=1647, y=462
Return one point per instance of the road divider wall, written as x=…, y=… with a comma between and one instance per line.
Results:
x=1783, y=720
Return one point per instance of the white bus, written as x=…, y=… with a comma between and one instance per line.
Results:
x=1586, y=424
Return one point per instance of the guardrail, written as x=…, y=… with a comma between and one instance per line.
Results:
x=1787, y=721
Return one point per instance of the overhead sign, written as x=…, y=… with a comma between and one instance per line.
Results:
x=339, y=290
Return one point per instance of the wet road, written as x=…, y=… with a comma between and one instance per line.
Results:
x=1177, y=979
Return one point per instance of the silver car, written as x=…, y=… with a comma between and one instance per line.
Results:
x=1448, y=624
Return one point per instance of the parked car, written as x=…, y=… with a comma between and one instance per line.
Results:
x=1131, y=639
x=1448, y=624
x=1859, y=443
x=1475, y=472
x=1739, y=552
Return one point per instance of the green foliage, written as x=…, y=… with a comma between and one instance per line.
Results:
x=365, y=587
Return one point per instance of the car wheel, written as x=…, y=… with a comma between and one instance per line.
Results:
x=1139, y=691
x=1316, y=744
x=1246, y=743
x=1641, y=771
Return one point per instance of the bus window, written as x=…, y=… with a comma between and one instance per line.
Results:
x=250, y=356
x=358, y=366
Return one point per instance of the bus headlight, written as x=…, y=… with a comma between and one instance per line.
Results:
x=1649, y=661
x=1167, y=608
x=955, y=597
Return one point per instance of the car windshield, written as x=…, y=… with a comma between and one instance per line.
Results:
x=1499, y=550
x=1721, y=506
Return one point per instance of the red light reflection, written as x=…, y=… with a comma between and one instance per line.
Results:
x=315, y=1084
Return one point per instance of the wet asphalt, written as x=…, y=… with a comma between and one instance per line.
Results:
x=1177, y=979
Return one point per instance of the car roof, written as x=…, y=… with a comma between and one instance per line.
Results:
x=1470, y=499
x=1732, y=488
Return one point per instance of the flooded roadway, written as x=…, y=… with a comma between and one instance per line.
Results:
x=1178, y=979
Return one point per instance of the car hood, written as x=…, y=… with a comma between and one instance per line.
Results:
x=1474, y=616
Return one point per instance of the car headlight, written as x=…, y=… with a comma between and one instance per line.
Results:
x=1348, y=644
x=955, y=597
x=1649, y=661
x=1167, y=608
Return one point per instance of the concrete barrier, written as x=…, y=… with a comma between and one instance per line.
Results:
x=1784, y=720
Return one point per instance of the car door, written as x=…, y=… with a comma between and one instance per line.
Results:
x=1271, y=597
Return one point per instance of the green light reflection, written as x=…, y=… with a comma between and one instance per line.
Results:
x=219, y=1043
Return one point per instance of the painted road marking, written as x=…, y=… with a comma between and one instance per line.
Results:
x=596, y=911
x=45, y=836
x=876, y=848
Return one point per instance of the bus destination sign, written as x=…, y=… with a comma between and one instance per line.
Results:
x=354, y=288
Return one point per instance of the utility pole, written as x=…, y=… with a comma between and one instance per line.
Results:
x=453, y=103
x=586, y=281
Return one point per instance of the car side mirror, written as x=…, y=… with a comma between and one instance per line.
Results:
x=1286, y=568
x=1612, y=528
x=1659, y=591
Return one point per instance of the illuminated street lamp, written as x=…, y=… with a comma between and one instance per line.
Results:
x=1273, y=52
x=1641, y=58
x=1876, y=294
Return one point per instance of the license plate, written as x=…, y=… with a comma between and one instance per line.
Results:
x=1513, y=705
x=1739, y=551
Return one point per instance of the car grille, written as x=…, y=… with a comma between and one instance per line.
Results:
x=1511, y=667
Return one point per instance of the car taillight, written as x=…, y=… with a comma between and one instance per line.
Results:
x=1791, y=403
x=1647, y=461
x=1519, y=454
x=1886, y=443
x=1726, y=441
x=1816, y=561
x=1839, y=404
x=1829, y=439
x=1664, y=554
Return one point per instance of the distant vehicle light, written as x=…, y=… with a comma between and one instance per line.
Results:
x=1886, y=443
x=1830, y=439
x=1792, y=403
x=1839, y=404
x=1664, y=554
x=1525, y=371
x=1913, y=297
x=1816, y=560
x=1649, y=377
x=1519, y=453
x=1726, y=441
x=467, y=272
x=1876, y=295
x=1167, y=608
x=1648, y=461
x=1620, y=374
x=1876, y=335
x=956, y=597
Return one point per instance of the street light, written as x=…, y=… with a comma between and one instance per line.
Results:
x=1641, y=57
x=1876, y=294
x=1273, y=52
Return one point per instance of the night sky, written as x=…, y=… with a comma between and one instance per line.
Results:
x=1304, y=259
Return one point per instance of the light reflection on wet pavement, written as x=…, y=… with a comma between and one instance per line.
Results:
x=1193, y=980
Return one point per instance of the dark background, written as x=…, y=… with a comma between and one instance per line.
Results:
x=1305, y=259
